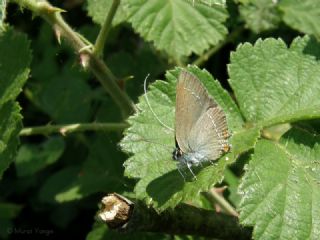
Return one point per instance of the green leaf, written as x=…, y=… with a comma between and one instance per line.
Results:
x=10, y=126
x=260, y=15
x=274, y=84
x=302, y=15
x=100, y=172
x=65, y=97
x=152, y=144
x=15, y=58
x=34, y=157
x=9, y=210
x=176, y=26
x=99, y=9
x=63, y=181
x=233, y=184
x=307, y=45
x=61, y=92
x=143, y=56
x=280, y=190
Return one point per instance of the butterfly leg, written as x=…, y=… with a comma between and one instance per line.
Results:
x=181, y=173
x=189, y=167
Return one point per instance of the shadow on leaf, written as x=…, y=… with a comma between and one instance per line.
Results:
x=163, y=188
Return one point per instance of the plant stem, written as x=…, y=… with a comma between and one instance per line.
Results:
x=214, y=196
x=204, y=57
x=124, y=215
x=97, y=66
x=103, y=34
x=69, y=128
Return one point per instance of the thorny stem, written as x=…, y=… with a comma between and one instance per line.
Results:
x=96, y=65
x=70, y=128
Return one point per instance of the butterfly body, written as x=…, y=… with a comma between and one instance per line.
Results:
x=200, y=125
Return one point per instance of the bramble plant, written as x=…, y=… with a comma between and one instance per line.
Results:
x=77, y=125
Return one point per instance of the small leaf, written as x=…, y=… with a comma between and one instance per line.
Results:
x=260, y=15
x=273, y=84
x=99, y=9
x=176, y=26
x=152, y=144
x=281, y=188
x=34, y=157
x=302, y=15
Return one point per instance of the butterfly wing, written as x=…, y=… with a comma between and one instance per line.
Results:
x=209, y=136
x=192, y=101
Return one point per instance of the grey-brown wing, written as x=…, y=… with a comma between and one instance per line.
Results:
x=192, y=101
x=209, y=136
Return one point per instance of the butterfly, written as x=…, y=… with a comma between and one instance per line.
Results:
x=201, y=130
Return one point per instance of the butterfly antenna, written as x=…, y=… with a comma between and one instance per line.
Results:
x=147, y=100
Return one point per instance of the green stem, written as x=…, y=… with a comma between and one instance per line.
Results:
x=230, y=38
x=97, y=66
x=69, y=128
x=213, y=196
x=103, y=34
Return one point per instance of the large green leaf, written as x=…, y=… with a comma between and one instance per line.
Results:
x=99, y=9
x=302, y=15
x=151, y=144
x=274, y=84
x=15, y=58
x=176, y=26
x=281, y=188
x=260, y=15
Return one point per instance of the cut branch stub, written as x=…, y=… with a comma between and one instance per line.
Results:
x=116, y=210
